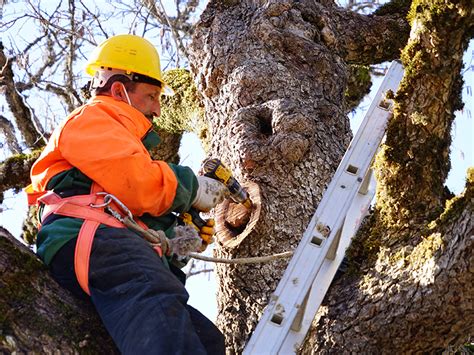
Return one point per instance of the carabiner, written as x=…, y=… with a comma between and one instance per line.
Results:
x=108, y=199
x=100, y=205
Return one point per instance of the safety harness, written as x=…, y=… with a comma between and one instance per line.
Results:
x=99, y=207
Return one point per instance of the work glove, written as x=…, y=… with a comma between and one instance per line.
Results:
x=190, y=238
x=207, y=234
x=209, y=194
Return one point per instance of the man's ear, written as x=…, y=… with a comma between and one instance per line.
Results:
x=116, y=91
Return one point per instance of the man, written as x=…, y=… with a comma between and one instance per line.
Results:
x=95, y=165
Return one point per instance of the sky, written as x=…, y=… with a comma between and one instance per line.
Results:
x=202, y=288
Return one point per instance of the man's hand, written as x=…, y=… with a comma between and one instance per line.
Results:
x=209, y=194
x=203, y=227
x=207, y=233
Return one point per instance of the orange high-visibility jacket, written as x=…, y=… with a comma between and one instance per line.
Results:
x=103, y=140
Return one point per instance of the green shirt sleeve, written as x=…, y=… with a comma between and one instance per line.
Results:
x=186, y=190
x=187, y=182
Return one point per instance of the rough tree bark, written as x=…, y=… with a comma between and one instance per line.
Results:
x=37, y=315
x=273, y=75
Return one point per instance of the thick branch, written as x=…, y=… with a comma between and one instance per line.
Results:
x=63, y=93
x=414, y=161
x=15, y=171
x=37, y=315
x=359, y=39
x=371, y=39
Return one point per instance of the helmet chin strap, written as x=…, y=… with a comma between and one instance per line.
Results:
x=126, y=94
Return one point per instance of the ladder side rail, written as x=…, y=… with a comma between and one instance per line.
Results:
x=305, y=264
x=303, y=267
x=306, y=259
x=323, y=280
x=281, y=309
x=294, y=289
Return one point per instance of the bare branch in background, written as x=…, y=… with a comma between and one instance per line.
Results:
x=6, y=127
x=179, y=26
x=197, y=268
x=61, y=92
x=50, y=58
x=96, y=22
x=175, y=35
x=21, y=113
x=48, y=63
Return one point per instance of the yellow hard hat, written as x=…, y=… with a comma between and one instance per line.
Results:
x=133, y=54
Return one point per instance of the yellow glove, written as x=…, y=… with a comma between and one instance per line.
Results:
x=207, y=233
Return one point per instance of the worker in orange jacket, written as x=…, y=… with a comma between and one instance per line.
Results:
x=95, y=171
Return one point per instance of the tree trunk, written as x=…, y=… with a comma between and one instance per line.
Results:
x=273, y=75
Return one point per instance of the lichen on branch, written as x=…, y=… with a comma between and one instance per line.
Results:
x=15, y=171
x=184, y=111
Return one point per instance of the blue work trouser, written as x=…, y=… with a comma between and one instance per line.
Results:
x=142, y=303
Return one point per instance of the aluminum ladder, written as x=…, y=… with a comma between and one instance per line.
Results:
x=293, y=305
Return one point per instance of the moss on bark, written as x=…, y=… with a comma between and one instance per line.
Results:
x=36, y=315
x=15, y=171
x=184, y=111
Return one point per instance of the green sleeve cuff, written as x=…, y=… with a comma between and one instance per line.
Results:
x=186, y=190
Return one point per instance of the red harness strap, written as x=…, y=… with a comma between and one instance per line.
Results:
x=82, y=253
x=88, y=208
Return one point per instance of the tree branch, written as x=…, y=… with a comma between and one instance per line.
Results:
x=9, y=131
x=20, y=111
x=359, y=39
x=414, y=161
x=15, y=171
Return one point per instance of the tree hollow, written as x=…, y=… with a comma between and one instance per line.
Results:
x=234, y=221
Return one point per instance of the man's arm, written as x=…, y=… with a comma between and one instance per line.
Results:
x=114, y=158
